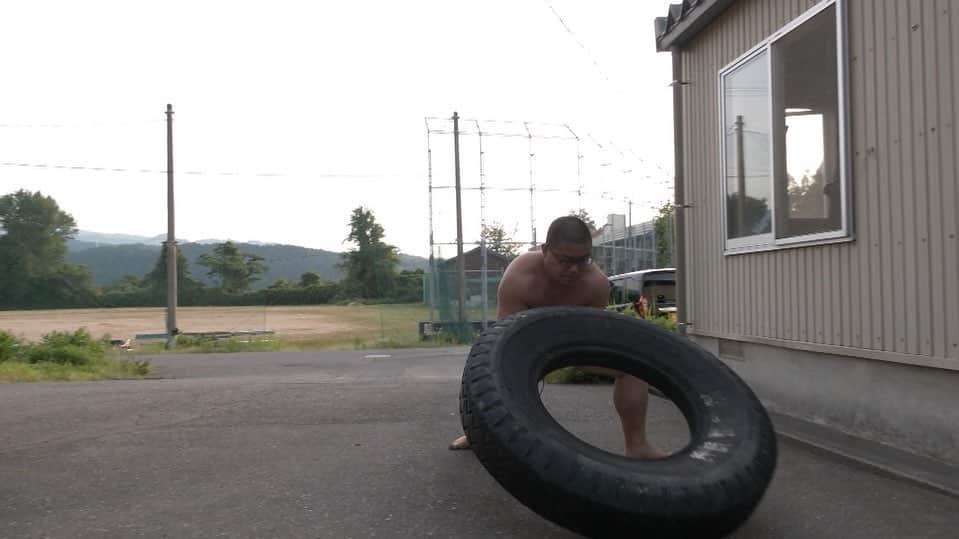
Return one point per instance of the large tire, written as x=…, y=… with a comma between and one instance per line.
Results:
x=707, y=489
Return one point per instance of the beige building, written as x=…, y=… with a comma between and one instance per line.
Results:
x=620, y=246
x=818, y=241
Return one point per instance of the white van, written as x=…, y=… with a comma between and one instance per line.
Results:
x=658, y=285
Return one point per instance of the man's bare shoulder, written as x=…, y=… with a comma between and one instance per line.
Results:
x=516, y=290
x=597, y=286
x=525, y=266
x=529, y=259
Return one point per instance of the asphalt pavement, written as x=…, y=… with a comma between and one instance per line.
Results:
x=350, y=445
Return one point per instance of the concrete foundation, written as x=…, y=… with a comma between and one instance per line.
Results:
x=905, y=406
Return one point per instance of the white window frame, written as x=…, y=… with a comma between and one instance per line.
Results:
x=768, y=241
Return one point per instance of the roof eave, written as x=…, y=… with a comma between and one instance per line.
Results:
x=685, y=21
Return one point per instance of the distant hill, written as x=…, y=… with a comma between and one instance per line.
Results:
x=109, y=262
x=86, y=239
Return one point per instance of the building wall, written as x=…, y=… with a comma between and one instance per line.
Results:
x=891, y=294
x=620, y=248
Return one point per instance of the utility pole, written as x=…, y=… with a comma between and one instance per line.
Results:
x=655, y=246
x=484, y=273
x=740, y=178
x=630, y=244
x=431, y=280
x=670, y=238
x=460, y=263
x=171, y=290
x=532, y=187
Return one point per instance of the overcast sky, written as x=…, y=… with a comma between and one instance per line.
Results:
x=290, y=114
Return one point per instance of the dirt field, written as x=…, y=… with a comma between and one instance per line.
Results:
x=301, y=323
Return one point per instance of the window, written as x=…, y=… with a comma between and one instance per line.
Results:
x=784, y=155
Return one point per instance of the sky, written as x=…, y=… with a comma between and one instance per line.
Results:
x=288, y=115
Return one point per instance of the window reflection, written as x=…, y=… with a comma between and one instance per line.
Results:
x=748, y=186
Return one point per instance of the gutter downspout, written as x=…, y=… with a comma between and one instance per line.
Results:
x=679, y=192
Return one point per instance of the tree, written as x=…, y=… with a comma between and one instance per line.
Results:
x=409, y=286
x=155, y=282
x=663, y=226
x=806, y=195
x=755, y=215
x=498, y=241
x=280, y=284
x=235, y=270
x=32, y=252
x=36, y=231
x=309, y=279
x=128, y=284
x=371, y=265
x=584, y=215
x=67, y=286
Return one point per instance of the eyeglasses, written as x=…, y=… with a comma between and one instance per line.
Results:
x=567, y=262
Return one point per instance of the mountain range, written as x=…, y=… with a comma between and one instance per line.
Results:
x=110, y=257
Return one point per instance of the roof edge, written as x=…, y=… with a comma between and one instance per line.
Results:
x=685, y=20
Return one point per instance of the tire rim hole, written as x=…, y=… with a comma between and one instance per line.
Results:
x=582, y=404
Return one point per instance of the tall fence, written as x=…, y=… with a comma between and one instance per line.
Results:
x=518, y=177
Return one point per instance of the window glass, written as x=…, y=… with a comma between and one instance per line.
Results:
x=747, y=136
x=782, y=144
x=809, y=199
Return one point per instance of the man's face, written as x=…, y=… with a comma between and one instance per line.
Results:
x=567, y=262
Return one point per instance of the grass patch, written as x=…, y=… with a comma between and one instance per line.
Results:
x=297, y=328
x=241, y=343
x=360, y=327
x=195, y=345
x=64, y=356
x=100, y=369
x=371, y=327
x=572, y=375
x=365, y=342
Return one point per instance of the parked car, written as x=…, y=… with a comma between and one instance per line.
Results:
x=657, y=286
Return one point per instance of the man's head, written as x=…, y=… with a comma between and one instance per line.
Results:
x=567, y=252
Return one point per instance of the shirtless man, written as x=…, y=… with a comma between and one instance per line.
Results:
x=562, y=273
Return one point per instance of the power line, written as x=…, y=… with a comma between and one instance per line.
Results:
x=602, y=72
x=481, y=132
x=79, y=125
x=569, y=31
x=192, y=172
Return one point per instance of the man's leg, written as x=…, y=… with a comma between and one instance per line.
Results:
x=631, y=399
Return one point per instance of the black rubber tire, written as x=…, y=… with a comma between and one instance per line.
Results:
x=707, y=489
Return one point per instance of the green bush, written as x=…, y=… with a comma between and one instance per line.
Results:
x=9, y=346
x=186, y=341
x=138, y=366
x=664, y=322
x=64, y=354
x=572, y=375
x=66, y=348
x=318, y=294
x=80, y=337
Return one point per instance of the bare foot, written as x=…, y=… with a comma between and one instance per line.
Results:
x=460, y=443
x=645, y=451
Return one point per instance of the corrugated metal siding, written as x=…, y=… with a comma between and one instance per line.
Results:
x=896, y=287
